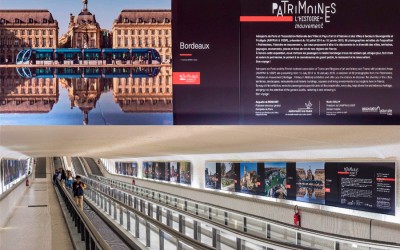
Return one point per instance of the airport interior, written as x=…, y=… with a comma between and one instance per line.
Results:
x=199, y=124
x=155, y=187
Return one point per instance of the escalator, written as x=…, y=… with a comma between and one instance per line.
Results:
x=93, y=166
x=40, y=171
x=78, y=166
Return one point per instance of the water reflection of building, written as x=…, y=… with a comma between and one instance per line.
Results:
x=34, y=95
x=84, y=93
x=83, y=30
x=144, y=94
x=144, y=29
x=25, y=28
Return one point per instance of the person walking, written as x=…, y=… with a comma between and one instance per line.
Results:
x=77, y=187
x=69, y=179
x=63, y=177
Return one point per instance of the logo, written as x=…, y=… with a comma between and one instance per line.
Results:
x=308, y=105
x=186, y=78
x=351, y=171
x=378, y=110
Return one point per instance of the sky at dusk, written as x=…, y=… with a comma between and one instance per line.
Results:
x=105, y=10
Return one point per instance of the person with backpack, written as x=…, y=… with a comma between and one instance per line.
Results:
x=77, y=187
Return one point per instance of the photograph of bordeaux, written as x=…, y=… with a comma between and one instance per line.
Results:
x=310, y=182
x=79, y=62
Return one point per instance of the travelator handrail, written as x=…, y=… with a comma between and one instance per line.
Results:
x=337, y=239
x=89, y=234
x=182, y=238
x=240, y=236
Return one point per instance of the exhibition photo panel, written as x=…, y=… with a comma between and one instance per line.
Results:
x=366, y=187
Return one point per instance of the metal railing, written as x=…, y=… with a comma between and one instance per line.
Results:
x=150, y=232
x=85, y=228
x=194, y=229
x=251, y=225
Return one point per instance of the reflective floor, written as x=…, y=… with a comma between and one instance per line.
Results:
x=89, y=96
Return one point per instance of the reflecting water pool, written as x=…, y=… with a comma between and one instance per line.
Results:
x=94, y=96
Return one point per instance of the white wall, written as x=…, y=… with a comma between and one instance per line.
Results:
x=329, y=219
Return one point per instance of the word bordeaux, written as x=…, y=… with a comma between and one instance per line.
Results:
x=194, y=45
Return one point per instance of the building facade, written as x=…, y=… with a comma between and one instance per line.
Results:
x=144, y=29
x=143, y=94
x=33, y=95
x=83, y=31
x=21, y=29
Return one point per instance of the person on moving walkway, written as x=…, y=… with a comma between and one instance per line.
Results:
x=77, y=187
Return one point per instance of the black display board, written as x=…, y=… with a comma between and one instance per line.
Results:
x=361, y=186
x=317, y=62
x=197, y=23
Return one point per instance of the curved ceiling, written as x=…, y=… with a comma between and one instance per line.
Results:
x=145, y=141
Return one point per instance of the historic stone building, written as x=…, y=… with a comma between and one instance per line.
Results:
x=84, y=93
x=143, y=94
x=34, y=95
x=144, y=29
x=83, y=31
x=24, y=29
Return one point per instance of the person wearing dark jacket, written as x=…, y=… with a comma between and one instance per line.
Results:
x=77, y=187
x=63, y=177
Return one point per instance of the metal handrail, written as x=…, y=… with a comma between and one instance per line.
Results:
x=216, y=225
x=95, y=240
x=185, y=239
x=333, y=237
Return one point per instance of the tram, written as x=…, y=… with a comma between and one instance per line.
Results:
x=91, y=56
x=89, y=72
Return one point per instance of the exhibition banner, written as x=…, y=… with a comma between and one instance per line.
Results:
x=361, y=186
x=174, y=172
x=284, y=62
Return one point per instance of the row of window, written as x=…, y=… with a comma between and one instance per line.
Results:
x=141, y=20
x=144, y=32
x=23, y=91
x=36, y=42
x=143, y=81
x=143, y=42
x=28, y=32
x=140, y=91
x=29, y=20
